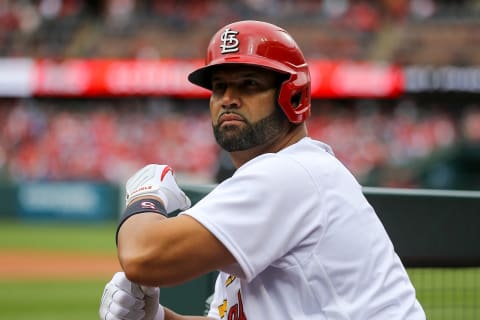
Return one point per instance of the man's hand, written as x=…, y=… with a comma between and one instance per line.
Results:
x=124, y=300
x=158, y=181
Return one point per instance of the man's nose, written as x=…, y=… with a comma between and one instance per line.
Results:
x=231, y=97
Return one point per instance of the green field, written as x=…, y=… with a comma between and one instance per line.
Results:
x=53, y=299
x=448, y=293
x=50, y=300
x=89, y=238
x=444, y=293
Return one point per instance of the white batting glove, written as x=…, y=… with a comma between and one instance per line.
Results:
x=158, y=181
x=124, y=300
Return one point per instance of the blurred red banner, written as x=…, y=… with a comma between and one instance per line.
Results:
x=109, y=77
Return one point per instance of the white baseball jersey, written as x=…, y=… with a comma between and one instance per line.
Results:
x=307, y=243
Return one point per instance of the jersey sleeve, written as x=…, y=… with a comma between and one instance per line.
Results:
x=260, y=213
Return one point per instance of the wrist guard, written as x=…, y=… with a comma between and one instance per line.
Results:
x=141, y=206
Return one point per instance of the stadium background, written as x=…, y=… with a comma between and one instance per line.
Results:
x=400, y=107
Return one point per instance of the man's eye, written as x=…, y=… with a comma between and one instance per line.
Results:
x=251, y=83
x=218, y=86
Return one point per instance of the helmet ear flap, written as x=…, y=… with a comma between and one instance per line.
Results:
x=294, y=99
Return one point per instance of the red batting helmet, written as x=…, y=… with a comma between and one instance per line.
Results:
x=268, y=46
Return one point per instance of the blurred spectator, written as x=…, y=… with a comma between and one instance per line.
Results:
x=458, y=165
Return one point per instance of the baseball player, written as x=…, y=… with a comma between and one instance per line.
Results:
x=290, y=232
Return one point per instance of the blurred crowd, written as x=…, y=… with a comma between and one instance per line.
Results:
x=404, y=143
x=101, y=140
x=400, y=31
x=382, y=143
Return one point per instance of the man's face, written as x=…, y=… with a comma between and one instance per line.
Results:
x=243, y=107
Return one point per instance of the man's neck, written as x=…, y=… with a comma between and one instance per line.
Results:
x=293, y=136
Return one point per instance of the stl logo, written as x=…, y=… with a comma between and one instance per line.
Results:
x=229, y=41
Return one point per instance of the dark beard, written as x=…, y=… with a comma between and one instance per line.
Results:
x=233, y=138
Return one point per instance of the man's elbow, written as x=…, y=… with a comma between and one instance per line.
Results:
x=146, y=270
x=136, y=269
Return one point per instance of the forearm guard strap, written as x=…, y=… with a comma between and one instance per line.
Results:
x=141, y=206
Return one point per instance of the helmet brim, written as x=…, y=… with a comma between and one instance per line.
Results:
x=202, y=76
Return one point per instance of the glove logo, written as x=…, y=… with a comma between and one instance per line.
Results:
x=166, y=170
x=229, y=41
x=145, y=188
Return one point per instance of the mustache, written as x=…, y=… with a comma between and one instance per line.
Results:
x=230, y=113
